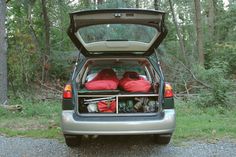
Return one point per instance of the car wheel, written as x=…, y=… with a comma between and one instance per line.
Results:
x=72, y=140
x=162, y=139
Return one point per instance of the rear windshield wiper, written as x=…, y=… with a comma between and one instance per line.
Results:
x=117, y=40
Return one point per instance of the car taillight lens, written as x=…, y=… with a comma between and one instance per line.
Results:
x=67, y=93
x=168, y=91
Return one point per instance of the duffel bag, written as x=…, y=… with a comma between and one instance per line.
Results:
x=107, y=106
x=132, y=82
x=104, y=80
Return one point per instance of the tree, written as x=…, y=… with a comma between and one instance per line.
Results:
x=199, y=31
x=37, y=39
x=100, y=2
x=181, y=42
x=156, y=6
x=211, y=17
x=3, y=54
x=47, y=42
x=137, y=3
x=30, y=22
x=87, y=3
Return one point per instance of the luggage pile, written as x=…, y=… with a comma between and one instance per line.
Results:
x=107, y=80
x=133, y=105
x=131, y=81
x=138, y=104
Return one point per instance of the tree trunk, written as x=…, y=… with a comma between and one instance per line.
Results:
x=95, y=4
x=211, y=18
x=181, y=41
x=156, y=6
x=31, y=28
x=86, y=3
x=137, y=3
x=3, y=54
x=100, y=2
x=47, y=42
x=62, y=22
x=199, y=31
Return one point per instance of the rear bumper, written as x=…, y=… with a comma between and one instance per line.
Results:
x=161, y=124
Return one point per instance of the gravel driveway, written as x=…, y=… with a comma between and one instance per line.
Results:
x=112, y=146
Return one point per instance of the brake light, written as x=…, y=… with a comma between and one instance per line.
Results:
x=67, y=93
x=168, y=91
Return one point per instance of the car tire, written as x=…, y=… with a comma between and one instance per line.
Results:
x=162, y=139
x=72, y=140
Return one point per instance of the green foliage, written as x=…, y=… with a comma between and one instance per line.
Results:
x=22, y=60
x=62, y=64
x=25, y=28
x=225, y=52
x=217, y=79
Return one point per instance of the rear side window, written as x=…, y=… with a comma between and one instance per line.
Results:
x=119, y=69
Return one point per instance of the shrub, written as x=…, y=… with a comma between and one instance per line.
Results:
x=216, y=78
x=22, y=61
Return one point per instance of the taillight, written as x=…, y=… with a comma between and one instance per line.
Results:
x=168, y=91
x=67, y=93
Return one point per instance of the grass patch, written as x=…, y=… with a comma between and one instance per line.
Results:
x=211, y=123
x=41, y=119
x=36, y=133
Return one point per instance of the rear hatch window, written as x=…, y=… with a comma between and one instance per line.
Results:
x=117, y=32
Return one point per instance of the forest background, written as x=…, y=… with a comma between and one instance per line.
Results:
x=198, y=55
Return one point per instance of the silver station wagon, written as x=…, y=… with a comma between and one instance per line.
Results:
x=117, y=86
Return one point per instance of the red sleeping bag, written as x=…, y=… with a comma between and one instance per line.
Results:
x=104, y=80
x=105, y=106
x=132, y=82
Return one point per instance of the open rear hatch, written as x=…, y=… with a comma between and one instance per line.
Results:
x=100, y=34
x=122, y=32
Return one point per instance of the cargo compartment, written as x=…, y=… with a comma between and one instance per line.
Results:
x=134, y=87
x=118, y=104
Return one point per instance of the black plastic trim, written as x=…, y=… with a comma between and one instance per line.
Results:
x=117, y=118
x=67, y=104
x=168, y=103
x=117, y=10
